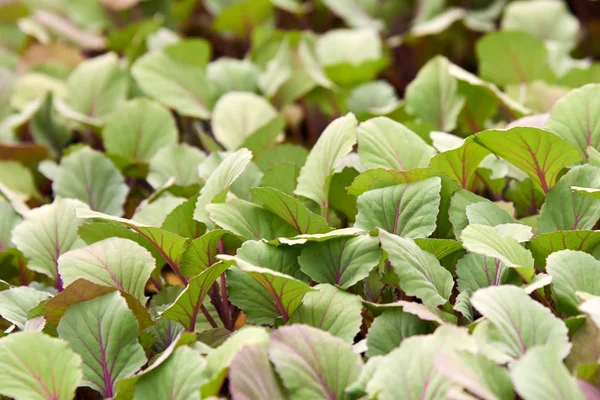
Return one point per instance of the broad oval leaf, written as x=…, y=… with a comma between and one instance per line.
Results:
x=538, y=153
x=114, y=262
x=139, y=129
x=46, y=233
x=476, y=271
x=334, y=143
x=391, y=327
x=385, y=143
x=342, y=261
x=201, y=253
x=408, y=210
x=313, y=364
x=17, y=302
x=89, y=176
x=103, y=331
x=461, y=163
x=36, y=366
x=420, y=272
x=518, y=322
x=176, y=161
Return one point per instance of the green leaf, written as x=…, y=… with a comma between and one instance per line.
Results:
x=179, y=377
x=433, y=95
x=461, y=163
x=154, y=213
x=385, y=143
x=332, y=310
x=180, y=220
x=540, y=374
x=519, y=323
x=139, y=129
x=220, y=181
x=89, y=176
x=48, y=128
x=489, y=214
x=104, y=333
x=313, y=364
x=390, y=328
x=282, y=259
x=496, y=243
x=538, y=153
x=572, y=271
x=408, y=210
x=420, y=273
x=36, y=366
x=251, y=374
x=334, y=143
x=342, y=261
x=182, y=87
x=476, y=271
x=230, y=74
x=19, y=179
x=543, y=245
x=194, y=51
x=17, y=302
x=169, y=245
x=440, y=248
x=97, y=87
x=421, y=380
x=290, y=209
x=512, y=57
x=114, y=262
x=241, y=17
x=475, y=373
x=47, y=232
x=264, y=294
x=178, y=161
x=249, y=221
x=266, y=136
x=461, y=199
x=9, y=218
x=564, y=209
x=373, y=98
x=237, y=115
x=188, y=304
x=201, y=253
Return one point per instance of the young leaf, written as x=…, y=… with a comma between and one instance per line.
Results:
x=290, y=209
x=282, y=259
x=176, y=85
x=103, y=331
x=540, y=154
x=36, y=366
x=113, y=262
x=180, y=220
x=220, y=181
x=334, y=143
x=489, y=214
x=543, y=245
x=312, y=363
x=332, y=310
x=568, y=210
x=420, y=273
x=176, y=161
x=201, y=253
x=518, y=322
x=139, y=129
x=407, y=210
x=251, y=375
x=476, y=271
x=434, y=97
x=342, y=261
x=461, y=163
x=91, y=177
x=572, y=271
x=46, y=233
x=391, y=327
x=17, y=302
x=188, y=304
x=540, y=374
x=384, y=143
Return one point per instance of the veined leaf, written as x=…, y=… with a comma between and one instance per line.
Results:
x=220, y=181
x=17, y=302
x=420, y=272
x=282, y=259
x=433, y=95
x=312, y=363
x=103, y=331
x=36, y=366
x=407, y=210
x=384, y=143
x=540, y=154
x=91, y=177
x=201, y=253
x=114, y=262
x=46, y=233
x=180, y=220
x=334, y=143
x=291, y=210
x=476, y=271
x=489, y=214
x=543, y=245
x=460, y=164
x=188, y=304
x=342, y=261
x=391, y=327
x=573, y=271
x=176, y=161
x=518, y=322
x=332, y=310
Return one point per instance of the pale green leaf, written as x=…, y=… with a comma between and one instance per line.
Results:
x=230, y=74
x=178, y=161
x=17, y=302
x=476, y=271
x=390, y=328
x=9, y=218
x=154, y=213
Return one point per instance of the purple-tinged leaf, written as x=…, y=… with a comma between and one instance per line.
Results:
x=201, y=253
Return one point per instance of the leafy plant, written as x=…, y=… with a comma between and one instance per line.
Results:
x=285, y=199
